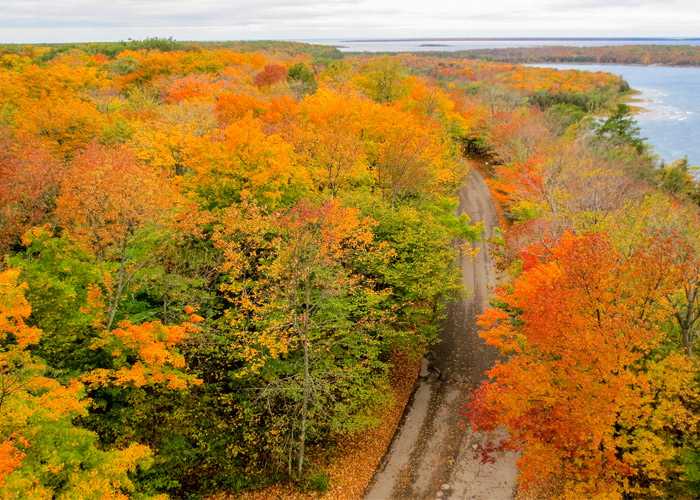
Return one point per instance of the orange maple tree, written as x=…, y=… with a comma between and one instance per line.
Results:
x=106, y=196
x=577, y=326
x=30, y=177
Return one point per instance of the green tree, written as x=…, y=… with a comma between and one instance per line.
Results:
x=301, y=80
x=299, y=337
x=621, y=128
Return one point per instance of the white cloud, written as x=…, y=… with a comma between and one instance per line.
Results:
x=63, y=20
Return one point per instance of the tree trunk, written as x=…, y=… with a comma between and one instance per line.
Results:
x=121, y=280
x=307, y=381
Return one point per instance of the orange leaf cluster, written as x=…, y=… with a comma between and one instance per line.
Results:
x=576, y=324
x=14, y=310
x=10, y=459
x=153, y=344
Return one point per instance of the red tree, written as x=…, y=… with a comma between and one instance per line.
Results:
x=271, y=74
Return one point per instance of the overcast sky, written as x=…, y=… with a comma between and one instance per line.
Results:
x=81, y=20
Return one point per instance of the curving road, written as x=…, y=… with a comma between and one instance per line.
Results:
x=432, y=455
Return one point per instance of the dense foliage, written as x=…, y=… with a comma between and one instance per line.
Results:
x=210, y=258
x=212, y=255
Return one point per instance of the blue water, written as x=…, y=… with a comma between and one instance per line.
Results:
x=671, y=99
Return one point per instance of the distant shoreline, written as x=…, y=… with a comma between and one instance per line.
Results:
x=526, y=39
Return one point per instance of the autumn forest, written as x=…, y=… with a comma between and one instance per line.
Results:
x=222, y=264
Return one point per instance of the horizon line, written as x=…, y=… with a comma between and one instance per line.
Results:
x=312, y=40
x=521, y=39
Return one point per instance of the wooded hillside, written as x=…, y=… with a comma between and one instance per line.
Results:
x=214, y=258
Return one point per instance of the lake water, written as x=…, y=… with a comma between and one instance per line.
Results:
x=671, y=99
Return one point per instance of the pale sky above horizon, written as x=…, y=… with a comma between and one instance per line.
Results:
x=103, y=20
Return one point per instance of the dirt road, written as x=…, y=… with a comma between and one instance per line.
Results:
x=432, y=456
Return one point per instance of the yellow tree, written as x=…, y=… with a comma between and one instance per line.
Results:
x=330, y=140
x=383, y=79
x=407, y=156
x=244, y=162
